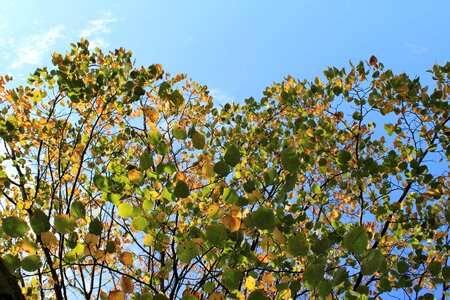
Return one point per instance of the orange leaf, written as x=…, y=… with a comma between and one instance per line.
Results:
x=127, y=284
x=126, y=258
x=231, y=223
x=116, y=295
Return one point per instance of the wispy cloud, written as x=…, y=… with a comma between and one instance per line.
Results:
x=36, y=47
x=97, y=30
x=417, y=49
x=220, y=97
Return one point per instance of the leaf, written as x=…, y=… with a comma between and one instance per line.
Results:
x=435, y=268
x=231, y=223
x=356, y=240
x=216, y=234
x=31, y=263
x=181, y=189
x=139, y=223
x=39, y=222
x=198, y=140
x=77, y=210
x=96, y=227
x=110, y=247
x=14, y=226
x=371, y=262
x=231, y=278
x=446, y=273
x=230, y=196
x=179, y=132
x=290, y=159
x=12, y=262
x=125, y=210
x=258, y=295
x=127, y=284
x=126, y=258
x=145, y=161
x=232, y=156
x=221, y=168
x=135, y=176
x=263, y=218
x=313, y=274
x=64, y=224
x=298, y=245
x=315, y=188
x=186, y=251
x=116, y=295
x=340, y=276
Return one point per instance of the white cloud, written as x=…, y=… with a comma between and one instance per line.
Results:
x=36, y=46
x=220, y=97
x=97, y=29
x=417, y=49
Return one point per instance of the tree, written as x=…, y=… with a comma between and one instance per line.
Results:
x=122, y=182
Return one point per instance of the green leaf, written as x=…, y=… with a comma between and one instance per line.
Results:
x=39, y=222
x=96, y=227
x=221, y=168
x=263, y=218
x=198, y=140
x=232, y=156
x=216, y=234
x=111, y=247
x=125, y=210
x=231, y=279
x=179, y=132
x=446, y=273
x=315, y=188
x=298, y=245
x=31, y=263
x=290, y=159
x=258, y=295
x=313, y=274
x=12, y=262
x=139, y=223
x=435, y=268
x=356, y=240
x=340, y=276
x=14, y=226
x=402, y=267
x=181, y=190
x=77, y=210
x=186, y=251
x=145, y=161
x=230, y=196
x=371, y=262
x=64, y=224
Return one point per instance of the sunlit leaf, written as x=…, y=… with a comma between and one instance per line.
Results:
x=64, y=224
x=125, y=210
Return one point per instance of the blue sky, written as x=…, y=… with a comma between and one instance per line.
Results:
x=236, y=47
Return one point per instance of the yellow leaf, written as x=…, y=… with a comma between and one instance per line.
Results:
x=148, y=240
x=250, y=283
x=126, y=258
x=216, y=296
x=310, y=132
x=208, y=169
x=135, y=176
x=151, y=113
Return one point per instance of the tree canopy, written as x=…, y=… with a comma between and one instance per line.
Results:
x=123, y=182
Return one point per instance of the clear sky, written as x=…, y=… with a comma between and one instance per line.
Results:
x=236, y=47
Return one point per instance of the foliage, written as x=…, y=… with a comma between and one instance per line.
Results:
x=120, y=182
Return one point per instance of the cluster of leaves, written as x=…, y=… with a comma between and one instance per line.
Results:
x=121, y=182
